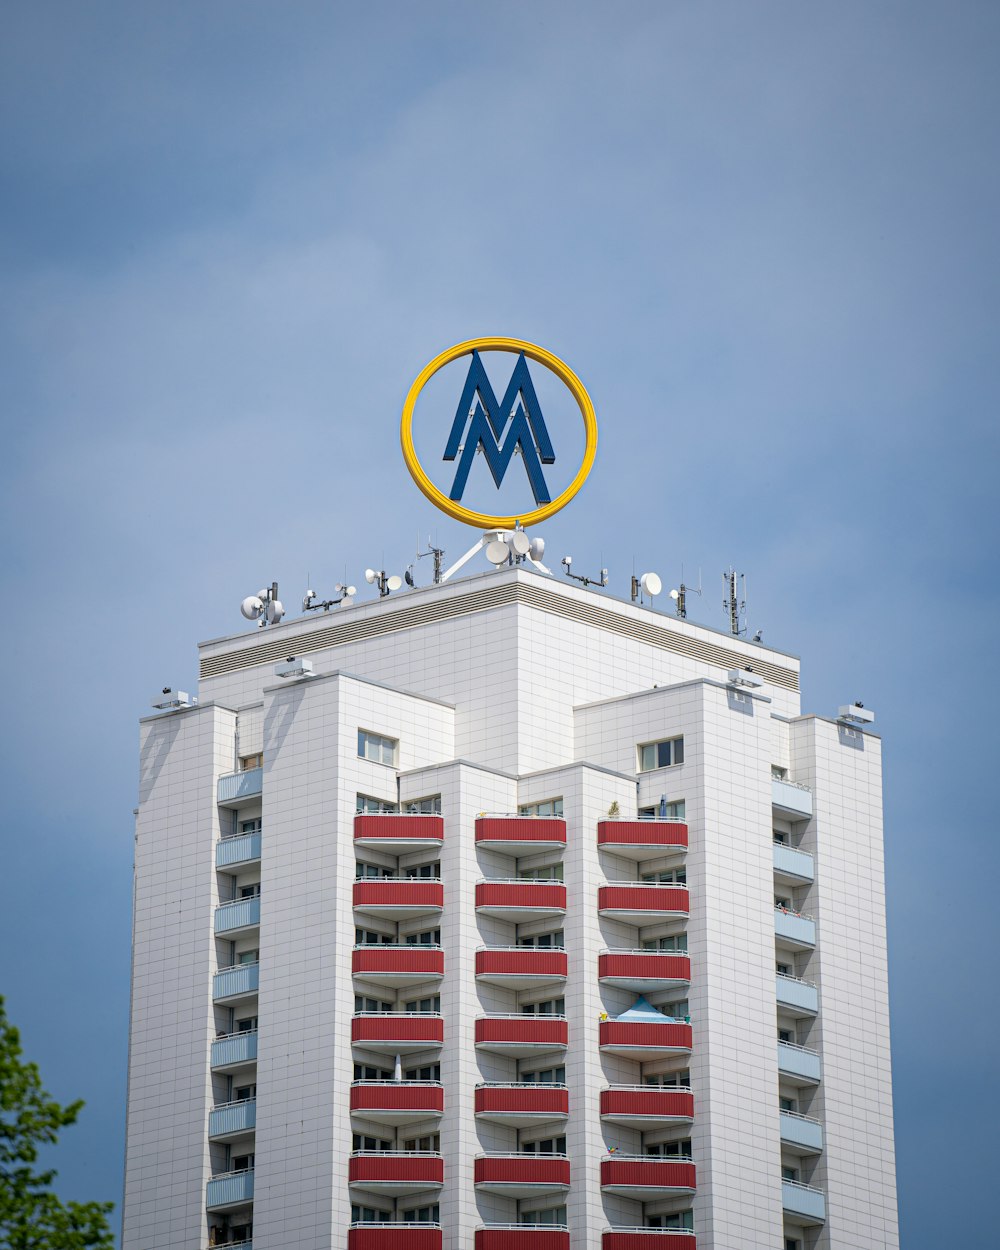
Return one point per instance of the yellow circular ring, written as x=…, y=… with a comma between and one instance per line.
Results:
x=484, y=520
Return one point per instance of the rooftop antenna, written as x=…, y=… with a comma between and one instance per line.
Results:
x=264, y=607
x=680, y=594
x=567, y=562
x=647, y=584
x=503, y=547
x=735, y=603
x=385, y=583
x=438, y=554
x=343, y=597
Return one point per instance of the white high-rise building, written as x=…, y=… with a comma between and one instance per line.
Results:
x=531, y=919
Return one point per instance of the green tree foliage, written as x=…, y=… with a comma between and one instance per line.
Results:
x=31, y=1216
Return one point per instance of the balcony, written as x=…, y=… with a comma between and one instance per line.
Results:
x=396, y=966
x=792, y=865
x=232, y=1119
x=229, y=1191
x=521, y=1175
x=242, y=848
x=394, y=1237
x=399, y=834
x=520, y=901
x=646, y=1177
x=803, y=1203
x=794, y=929
x=521, y=1105
x=647, y=1239
x=791, y=799
x=522, y=1036
x=644, y=971
x=642, y=839
x=647, y=1107
x=644, y=1039
x=642, y=902
x=522, y=1237
x=397, y=1033
x=521, y=835
x=521, y=967
x=237, y=916
x=801, y=1134
x=397, y=1102
x=799, y=997
x=235, y=789
x=396, y=1173
x=234, y=1051
x=239, y=981
x=399, y=898
x=798, y=1063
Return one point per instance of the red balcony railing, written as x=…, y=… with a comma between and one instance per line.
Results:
x=639, y=1037
x=527, y=898
x=520, y=835
x=399, y=897
x=522, y=1034
x=527, y=1103
x=640, y=969
x=397, y=964
x=402, y=1171
x=407, y=1032
x=522, y=1237
x=642, y=900
x=647, y=1239
x=642, y=839
x=395, y=1102
x=398, y=833
x=627, y=1174
x=646, y=1104
x=521, y=1173
x=520, y=966
x=394, y=1237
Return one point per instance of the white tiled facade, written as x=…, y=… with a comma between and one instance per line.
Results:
x=252, y=1092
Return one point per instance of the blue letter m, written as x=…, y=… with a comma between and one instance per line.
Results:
x=487, y=421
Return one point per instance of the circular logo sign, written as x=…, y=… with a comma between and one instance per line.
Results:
x=498, y=429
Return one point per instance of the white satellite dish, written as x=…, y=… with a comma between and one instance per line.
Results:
x=520, y=543
x=274, y=611
x=262, y=594
x=394, y=582
x=651, y=584
x=675, y=594
x=349, y=590
x=536, y=548
x=497, y=553
x=370, y=576
x=252, y=607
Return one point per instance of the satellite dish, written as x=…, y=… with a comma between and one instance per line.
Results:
x=674, y=594
x=307, y=599
x=370, y=576
x=274, y=611
x=252, y=607
x=497, y=553
x=262, y=594
x=520, y=542
x=347, y=600
x=651, y=584
x=536, y=548
x=394, y=582
x=349, y=591
x=408, y=578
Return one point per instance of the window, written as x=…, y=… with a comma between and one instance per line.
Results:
x=422, y=1215
x=547, y=1146
x=789, y=1174
x=365, y=1072
x=371, y=937
x=250, y=826
x=376, y=748
x=555, y=938
x=669, y=876
x=361, y=1003
x=660, y=754
x=784, y=970
x=431, y=806
x=786, y=1035
x=241, y=1163
x=243, y=1093
x=250, y=891
x=683, y=1220
x=431, y=871
x=781, y=839
x=248, y=957
x=360, y=1142
x=370, y=870
x=549, y=1007
x=548, y=807
x=793, y=1243
x=427, y=937
x=545, y=1076
x=431, y=1142
x=247, y=1025
x=370, y=1215
x=788, y=1104
x=673, y=942
x=251, y=761
x=550, y=872
x=679, y=1010
x=548, y=1215
x=669, y=1080
x=671, y=1149
x=664, y=811
x=367, y=806
x=433, y=1003
x=778, y=773
x=429, y=1072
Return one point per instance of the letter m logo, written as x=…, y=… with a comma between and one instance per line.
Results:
x=515, y=423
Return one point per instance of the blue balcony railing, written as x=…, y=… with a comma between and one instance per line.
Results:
x=232, y=1189
x=231, y=982
x=242, y=913
x=233, y=1117
x=234, y=787
x=244, y=848
x=234, y=1049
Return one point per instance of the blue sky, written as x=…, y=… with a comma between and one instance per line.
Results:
x=764, y=235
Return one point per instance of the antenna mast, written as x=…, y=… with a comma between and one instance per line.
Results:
x=735, y=604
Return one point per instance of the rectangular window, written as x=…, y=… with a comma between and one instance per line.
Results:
x=370, y=1215
x=243, y=1093
x=429, y=937
x=660, y=754
x=683, y=1220
x=547, y=1146
x=370, y=870
x=250, y=891
x=788, y=1104
x=251, y=761
x=368, y=806
x=365, y=1072
x=545, y=1076
x=669, y=1080
x=671, y=1149
x=432, y=1003
x=376, y=748
x=789, y=1174
x=669, y=876
x=248, y=957
x=360, y=1142
x=371, y=937
x=784, y=969
x=554, y=939
x=431, y=806
x=550, y=872
x=778, y=773
x=673, y=942
x=548, y=1215
x=674, y=810
x=786, y=1035
x=247, y=1025
x=429, y=1072
x=241, y=1163
x=250, y=826
x=431, y=1142
x=548, y=807
x=422, y=1215
x=362, y=1003
x=679, y=1010
x=549, y=1007
x=431, y=871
